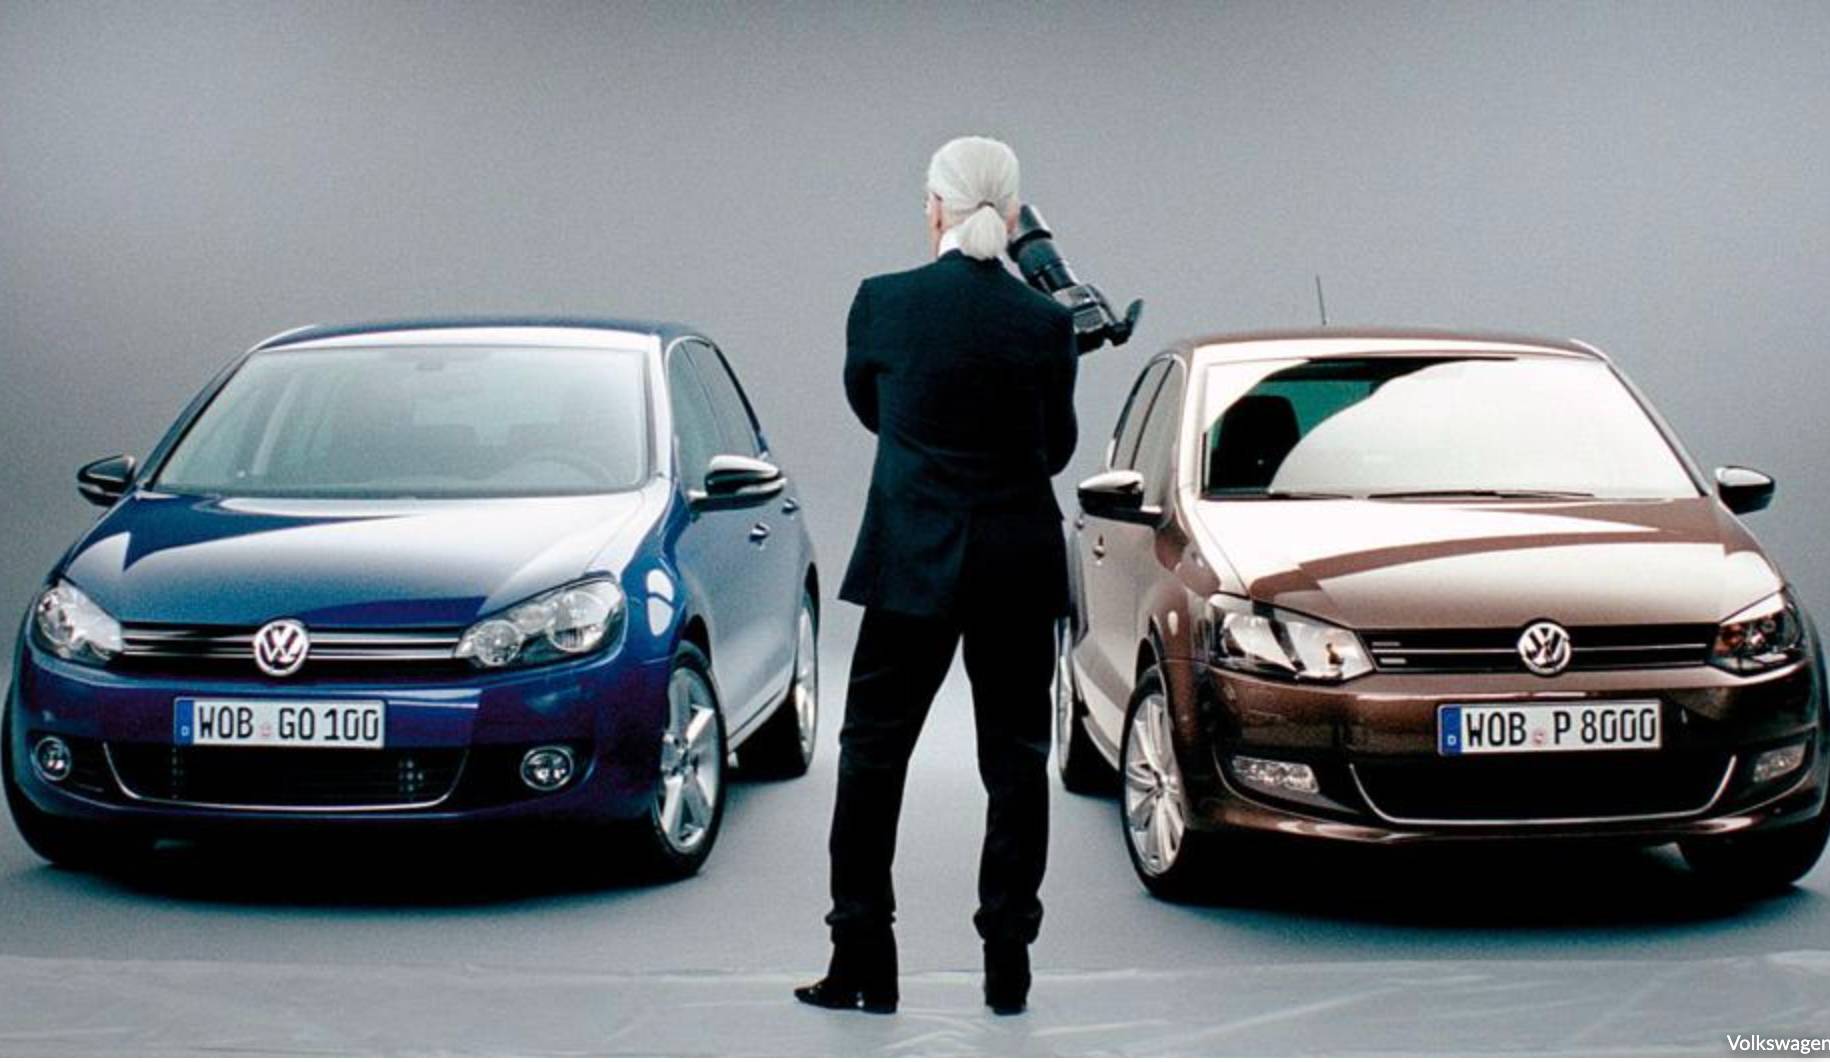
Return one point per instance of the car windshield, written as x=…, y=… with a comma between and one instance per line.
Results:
x=392, y=422
x=1421, y=426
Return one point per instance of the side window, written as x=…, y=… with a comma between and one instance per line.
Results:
x=695, y=422
x=1156, y=443
x=736, y=429
x=1131, y=421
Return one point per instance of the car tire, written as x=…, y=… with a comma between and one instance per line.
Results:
x=783, y=747
x=676, y=837
x=1077, y=760
x=1763, y=863
x=72, y=844
x=1170, y=859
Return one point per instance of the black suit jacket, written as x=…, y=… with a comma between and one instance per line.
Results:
x=966, y=375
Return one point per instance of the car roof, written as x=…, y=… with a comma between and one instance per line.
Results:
x=527, y=330
x=1373, y=342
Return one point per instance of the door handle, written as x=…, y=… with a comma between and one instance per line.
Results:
x=759, y=533
x=1099, y=548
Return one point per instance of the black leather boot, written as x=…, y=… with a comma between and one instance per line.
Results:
x=861, y=976
x=1006, y=977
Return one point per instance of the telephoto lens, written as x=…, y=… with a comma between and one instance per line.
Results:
x=1032, y=247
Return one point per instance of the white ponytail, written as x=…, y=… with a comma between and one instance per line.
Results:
x=975, y=179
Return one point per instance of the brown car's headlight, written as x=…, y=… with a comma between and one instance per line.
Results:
x=1760, y=637
x=1245, y=636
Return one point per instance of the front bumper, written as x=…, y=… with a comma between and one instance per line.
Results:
x=452, y=749
x=1372, y=746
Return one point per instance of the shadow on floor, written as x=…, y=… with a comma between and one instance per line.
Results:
x=1517, y=886
x=398, y=868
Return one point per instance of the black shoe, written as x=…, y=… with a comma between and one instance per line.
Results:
x=861, y=976
x=1007, y=978
x=843, y=995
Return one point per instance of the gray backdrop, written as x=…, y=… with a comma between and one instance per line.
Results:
x=178, y=181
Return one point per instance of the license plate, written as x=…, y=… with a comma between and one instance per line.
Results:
x=1588, y=726
x=279, y=724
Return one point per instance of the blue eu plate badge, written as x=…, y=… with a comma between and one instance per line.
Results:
x=1448, y=730
x=184, y=713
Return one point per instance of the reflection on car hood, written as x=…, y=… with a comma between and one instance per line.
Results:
x=189, y=560
x=1392, y=564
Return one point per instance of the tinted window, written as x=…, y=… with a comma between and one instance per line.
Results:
x=1131, y=420
x=735, y=427
x=1156, y=440
x=1443, y=424
x=695, y=421
x=387, y=422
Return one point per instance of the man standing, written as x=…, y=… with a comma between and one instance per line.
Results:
x=966, y=375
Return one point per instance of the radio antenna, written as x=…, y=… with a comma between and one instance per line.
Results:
x=1321, y=303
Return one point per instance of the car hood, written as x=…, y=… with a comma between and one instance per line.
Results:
x=1397, y=564
x=411, y=563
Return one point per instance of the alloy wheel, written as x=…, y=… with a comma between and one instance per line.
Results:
x=806, y=691
x=1064, y=698
x=692, y=764
x=1156, y=817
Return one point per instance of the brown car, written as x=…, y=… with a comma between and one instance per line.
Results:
x=1388, y=587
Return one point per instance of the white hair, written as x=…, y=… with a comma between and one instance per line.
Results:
x=975, y=179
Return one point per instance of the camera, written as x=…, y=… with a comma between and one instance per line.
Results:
x=1032, y=247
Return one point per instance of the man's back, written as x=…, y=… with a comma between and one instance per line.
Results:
x=967, y=377
x=971, y=374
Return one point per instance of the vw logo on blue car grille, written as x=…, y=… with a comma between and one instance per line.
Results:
x=280, y=647
x=1545, y=648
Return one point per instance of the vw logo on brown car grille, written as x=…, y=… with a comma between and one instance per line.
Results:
x=1545, y=648
x=280, y=647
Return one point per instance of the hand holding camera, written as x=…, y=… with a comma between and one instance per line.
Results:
x=1032, y=247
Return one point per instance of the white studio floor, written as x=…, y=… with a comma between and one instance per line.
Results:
x=317, y=952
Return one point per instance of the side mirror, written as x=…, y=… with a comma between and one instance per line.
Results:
x=1117, y=495
x=103, y=482
x=1744, y=490
x=732, y=481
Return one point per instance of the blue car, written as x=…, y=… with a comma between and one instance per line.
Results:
x=505, y=571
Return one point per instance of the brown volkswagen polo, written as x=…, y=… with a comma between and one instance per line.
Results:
x=1390, y=587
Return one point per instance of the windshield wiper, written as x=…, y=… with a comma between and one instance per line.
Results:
x=1477, y=492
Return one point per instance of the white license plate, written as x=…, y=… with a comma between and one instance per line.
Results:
x=1585, y=726
x=280, y=724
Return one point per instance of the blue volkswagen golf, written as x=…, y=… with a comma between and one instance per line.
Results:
x=461, y=572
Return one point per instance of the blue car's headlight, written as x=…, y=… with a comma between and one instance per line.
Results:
x=74, y=627
x=1761, y=637
x=1243, y=636
x=569, y=621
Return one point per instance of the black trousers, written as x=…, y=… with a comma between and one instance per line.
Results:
x=898, y=667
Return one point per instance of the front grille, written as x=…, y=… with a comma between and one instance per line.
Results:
x=1496, y=649
x=286, y=778
x=1528, y=786
x=334, y=654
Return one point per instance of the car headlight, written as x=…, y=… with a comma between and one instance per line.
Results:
x=569, y=621
x=1243, y=636
x=74, y=627
x=1761, y=637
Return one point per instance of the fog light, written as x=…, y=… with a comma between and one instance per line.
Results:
x=1275, y=775
x=1775, y=763
x=547, y=767
x=51, y=759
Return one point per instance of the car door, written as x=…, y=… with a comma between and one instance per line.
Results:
x=754, y=555
x=709, y=549
x=1107, y=648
